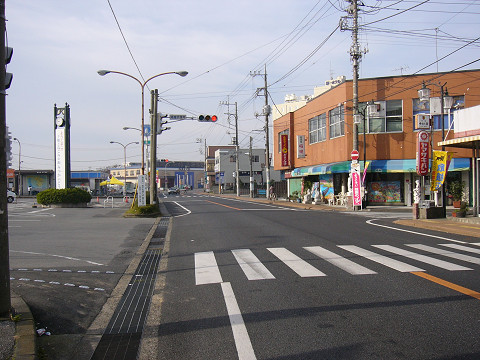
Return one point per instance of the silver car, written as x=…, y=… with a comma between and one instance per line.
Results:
x=11, y=196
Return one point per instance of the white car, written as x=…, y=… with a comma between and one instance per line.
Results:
x=11, y=196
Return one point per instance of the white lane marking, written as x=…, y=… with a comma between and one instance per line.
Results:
x=413, y=232
x=426, y=259
x=40, y=210
x=240, y=333
x=339, y=261
x=54, y=255
x=463, y=248
x=184, y=208
x=467, y=258
x=206, y=269
x=251, y=266
x=301, y=267
x=384, y=260
x=477, y=244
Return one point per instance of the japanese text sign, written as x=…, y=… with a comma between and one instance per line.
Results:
x=284, y=145
x=423, y=147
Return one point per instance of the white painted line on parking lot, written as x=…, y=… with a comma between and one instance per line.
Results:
x=54, y=255
x=240, y=333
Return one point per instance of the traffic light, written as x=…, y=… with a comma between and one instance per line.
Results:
x=8, y=57
x=164, y=160
x=207, y=118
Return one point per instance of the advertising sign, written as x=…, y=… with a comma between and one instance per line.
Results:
x=300, y=146
x=440, y=162
x=422, y=121
x=423, y=147
x=356, y=184
x=284, y=144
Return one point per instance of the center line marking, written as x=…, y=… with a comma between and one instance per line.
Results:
x=448, y=284
x=240, y=333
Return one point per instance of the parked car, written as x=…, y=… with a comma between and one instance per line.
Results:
x=11, y=196
x=173, y=190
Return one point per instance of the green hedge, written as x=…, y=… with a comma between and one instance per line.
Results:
x=63, y=196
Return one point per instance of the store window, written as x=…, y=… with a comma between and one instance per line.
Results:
x=423, y=107
x=388, y=118
x=337, y=122
x=317, y=129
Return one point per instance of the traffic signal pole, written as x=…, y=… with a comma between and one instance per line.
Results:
x=5, y=303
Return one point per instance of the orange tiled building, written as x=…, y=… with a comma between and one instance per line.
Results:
x=320, y=134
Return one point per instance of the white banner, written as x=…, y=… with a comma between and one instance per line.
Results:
x=60, y=159
x=142, y=190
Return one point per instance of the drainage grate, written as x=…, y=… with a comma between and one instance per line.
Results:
x=122, y=336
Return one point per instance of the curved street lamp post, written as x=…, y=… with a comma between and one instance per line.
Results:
x=124, y=163
x=142, y=85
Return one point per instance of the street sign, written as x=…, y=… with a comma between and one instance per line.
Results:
x=177, y=117
x=354, y=155
x=147, y=130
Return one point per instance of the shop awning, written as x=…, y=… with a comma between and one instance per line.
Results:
x=378, y=166
x=463, y=142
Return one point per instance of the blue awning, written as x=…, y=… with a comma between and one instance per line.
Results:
x=378, y=166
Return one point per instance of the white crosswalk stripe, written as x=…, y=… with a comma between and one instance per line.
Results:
x=446, y=253
x=208, y=272
x=301, y=267
x=206, y=269
x=251, y=266
x=384, y=260
x=422, y=258
x=339, y=261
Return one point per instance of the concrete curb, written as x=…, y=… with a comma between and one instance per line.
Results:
x=25, y=334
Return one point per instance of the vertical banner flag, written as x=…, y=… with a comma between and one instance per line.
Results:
x=300, y=146
x=365, y=172
x=422, y=152
x=284, y=144
x=356, y=185
x=440, y=162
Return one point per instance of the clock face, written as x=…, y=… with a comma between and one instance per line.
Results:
x=59, y=121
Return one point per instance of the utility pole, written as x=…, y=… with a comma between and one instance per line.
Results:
x=252, y=182
x=266, y=113
x=5, y=303
x=237, y=160
x=153, y=147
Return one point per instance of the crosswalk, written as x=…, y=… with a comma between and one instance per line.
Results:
x=405, y=258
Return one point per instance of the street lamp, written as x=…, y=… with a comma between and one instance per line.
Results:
x=20, y=189
x=446, y=102
x=124, y=163
x=142, y=85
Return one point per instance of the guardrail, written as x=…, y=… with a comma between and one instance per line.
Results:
x=109, y=198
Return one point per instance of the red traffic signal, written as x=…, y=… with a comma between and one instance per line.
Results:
x=207, y=118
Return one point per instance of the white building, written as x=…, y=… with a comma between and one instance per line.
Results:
x=225, y=167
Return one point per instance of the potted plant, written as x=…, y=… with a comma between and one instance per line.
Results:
x=456, y=189
x=461, y=212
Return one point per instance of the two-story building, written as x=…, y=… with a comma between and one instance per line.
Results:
x=320, y=134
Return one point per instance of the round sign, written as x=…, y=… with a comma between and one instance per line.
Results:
x=354, y=155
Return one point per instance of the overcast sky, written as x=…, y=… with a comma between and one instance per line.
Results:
x=59, y=45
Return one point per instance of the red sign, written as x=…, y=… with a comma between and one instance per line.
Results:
x=423, y=147
x=354, y=155
x=10, y=173
x=284, y=144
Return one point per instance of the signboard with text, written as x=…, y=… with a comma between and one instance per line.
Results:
x=142, y=190
x=422, y=158
x=300, y=146
x=356, y=184
x=284, y=144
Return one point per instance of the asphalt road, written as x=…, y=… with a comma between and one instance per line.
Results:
x=256, y=281
x=65, y=263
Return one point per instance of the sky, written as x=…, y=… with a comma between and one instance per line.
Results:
x=60, y=45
